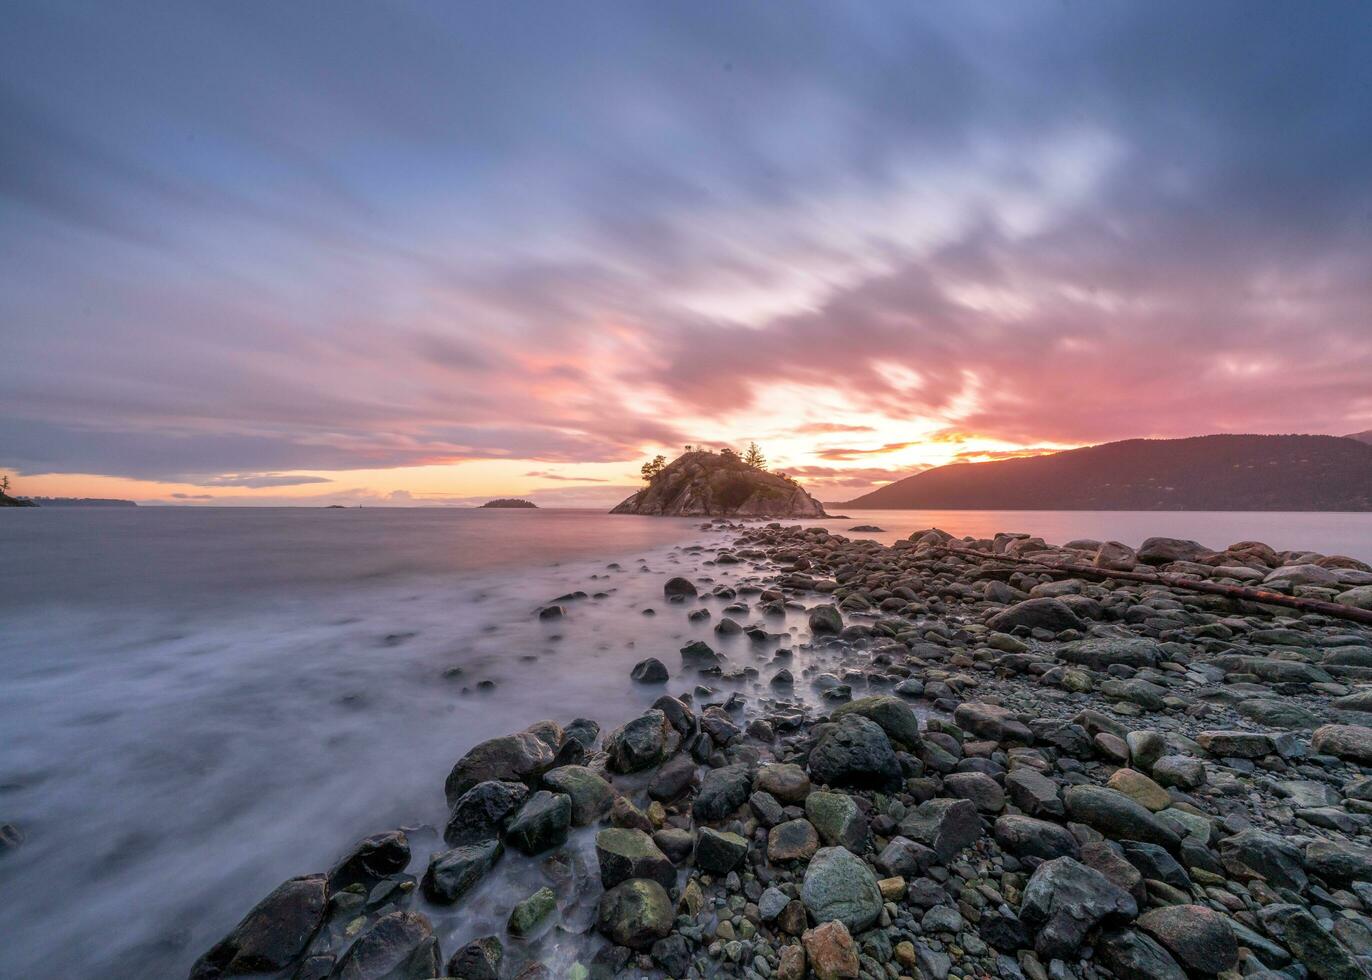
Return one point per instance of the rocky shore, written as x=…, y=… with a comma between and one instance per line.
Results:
x=955, y=765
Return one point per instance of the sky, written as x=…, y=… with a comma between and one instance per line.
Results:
x=428, y=253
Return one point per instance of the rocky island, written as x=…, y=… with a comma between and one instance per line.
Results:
x=700, y=483
x=510, y=503
x=939, y=759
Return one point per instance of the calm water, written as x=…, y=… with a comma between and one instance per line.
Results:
x=200, y=703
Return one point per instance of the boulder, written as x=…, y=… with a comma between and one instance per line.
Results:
x=893, y=715
x=1133, y=955
x=483, y=811
x=854, y=751
x=719, y=852
x=529, y=916
x=625, y=854
x=590, y=794
x=1117, y=816
x=371, y=859
x=1350, y=742
x=271, y=937
x=785, y=782
x=830, y=952
x=397, y=946
x=1164, y=551
x=793, y=840
x=1103, y=652
x=1237, y=744
x=722, y=791
x=638, y=744
x=522, y=757
x=1268, y=856
x=1033, y=792
x=1045, y=613
x=478, y=960
x=1026, y=837
x=650, y=671
x=541, y=823
x=992, y=722
x=635, y=913
x=453, y=873
x=1064, y=900
x=837, y=820
x=1339, y=862
x=826, y=619
x=978, y=787
x=1200, y=938
x=840, y=886
x=678, y=586
x=945, y=826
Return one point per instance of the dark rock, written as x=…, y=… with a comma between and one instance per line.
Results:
x=541, y=822
x=1101, y=653
x=1133, y=955
x=1028, y=837
x=794, y=840
x=826, y=619
x=271, y=937
x=945, y=826
x=1257, y=852
x=854, y=751
x=522, y=757
x=895, y=717
x=590, y=794
x=719, y=852
x=482, y=812
x=1044, y=613
x=837, y=819
x=1033, y=792
x=1065, y=899
x=678, y=587
x=374, y=858
x=1339, y=862
x=1200, y=938
x=674, y=780
x=650, y=671
x=638, y=744
x=451, y=874
x=1117, y=816
x=398, y=946
x=992, y=722
x=1318, y=951
x=635, y=913
x=625, y=854
x=478, y=960
x=722, y=791
x=784, y=781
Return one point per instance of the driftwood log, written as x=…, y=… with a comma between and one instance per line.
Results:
x=1265, y=596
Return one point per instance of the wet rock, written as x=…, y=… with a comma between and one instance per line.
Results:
x=1200, y=938
x=638, y=744
x=590, y=794
x=483, y=811
x=372, y=859
x=1117, y=816
x=650, y=671
x=1164, y=551
x=698, y=655
x=271, y=937
x=893, y=715
x=826, y=619
x=451, y=874
x=840, y=886
x=1065, y=899
x=541, y=823
x=530, y=915
x=522, y=757
x=678, y=587
x=478, y=960
x=1044, y=613
x=673, y=780
x=945, y=826
x=722, y=791
x=854, y=751
x=830, y=952
x=398, y=946
x=719, y=852
x=625, y=854
x=635, y=913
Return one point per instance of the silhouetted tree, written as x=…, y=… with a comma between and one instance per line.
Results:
x=653, y=468
x=5, y=483
x=754, y=458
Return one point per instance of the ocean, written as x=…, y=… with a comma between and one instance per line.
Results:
x=199, y=703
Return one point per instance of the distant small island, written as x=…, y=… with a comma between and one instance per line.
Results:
x=78, y=502
x=513, y=503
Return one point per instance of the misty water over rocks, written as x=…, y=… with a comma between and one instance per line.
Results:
x=201, y=704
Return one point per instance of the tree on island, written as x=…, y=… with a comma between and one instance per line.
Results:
x=653, y=468
x=754, y=458
x=5, y=483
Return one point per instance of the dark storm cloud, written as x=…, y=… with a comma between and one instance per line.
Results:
x=244, y=239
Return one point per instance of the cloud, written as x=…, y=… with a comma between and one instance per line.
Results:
x=264, y=480
x=192, y=496
x=1039, y=227
x=550, y=475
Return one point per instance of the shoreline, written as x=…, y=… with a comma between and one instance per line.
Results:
x=984, y=772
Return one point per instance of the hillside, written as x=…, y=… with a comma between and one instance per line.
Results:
x=1361, y=436
x=510, y=503
x=7, y=501
x=706, y=484
x=1221, y=472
